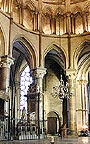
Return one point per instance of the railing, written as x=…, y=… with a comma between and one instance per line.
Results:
x=11, y=129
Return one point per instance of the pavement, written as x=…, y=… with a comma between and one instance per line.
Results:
x=50, y=140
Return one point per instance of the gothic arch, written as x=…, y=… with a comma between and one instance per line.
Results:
x=22, y=51
x=57, y=48
x=59, y=10
x=30, y=47
x=30, y=5
x=78, y=51
x=86, y=7
x=83, y=71
x=2, y=42
x=48, y=10
x=27, y=18
x=76, y=9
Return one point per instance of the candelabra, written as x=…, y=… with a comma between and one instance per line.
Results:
x=61, y=91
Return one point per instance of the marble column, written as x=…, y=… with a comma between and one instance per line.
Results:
x=5, y=76
x=40, y=72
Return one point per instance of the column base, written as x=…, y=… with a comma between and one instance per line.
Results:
x=73, y=133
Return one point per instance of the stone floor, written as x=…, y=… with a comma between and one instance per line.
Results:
x=79, y=140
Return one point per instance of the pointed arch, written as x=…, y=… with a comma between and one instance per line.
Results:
x=82, y=54
x=30, y=5
x=86, y=7
x=76, y=9
x=2, y=42
x=59, y=10
x=47, y=10
x=22, y=51
x=61, y=53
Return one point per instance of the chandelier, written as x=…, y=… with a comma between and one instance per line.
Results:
x=61, y=91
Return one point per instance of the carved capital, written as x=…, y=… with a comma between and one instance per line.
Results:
x=71, y=73
x=6, y=61
x=40, y=72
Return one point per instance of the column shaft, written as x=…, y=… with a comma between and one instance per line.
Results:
x=53, y=25
x=40, y=72
x=84, y=23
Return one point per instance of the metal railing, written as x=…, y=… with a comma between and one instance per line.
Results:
x=17, y=129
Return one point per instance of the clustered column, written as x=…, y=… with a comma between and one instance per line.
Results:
x=82, y=110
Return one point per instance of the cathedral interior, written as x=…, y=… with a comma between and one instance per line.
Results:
x=44, y=67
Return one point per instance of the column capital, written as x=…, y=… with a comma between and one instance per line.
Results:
x=40, y=72
x=68, y=14
x=71, y=73
x=6, y=61
x=4, y=95
x=84, y=82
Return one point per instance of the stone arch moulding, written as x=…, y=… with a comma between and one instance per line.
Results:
x=86, y=7
x=47, y=10
x=3, y=41
x=29, y=46
x=83, y=72
x=77, y=53
x=59, y=10
x=57, y=48
x=30, y=5
x=53, y=112
x=76, y=9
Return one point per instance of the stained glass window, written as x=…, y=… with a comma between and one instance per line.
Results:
x=25, y=81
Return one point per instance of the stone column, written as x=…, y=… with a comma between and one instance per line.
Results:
x=53, y=25
x=40, y=15
x=82, y=109
x=10, y=5
x=72, y=86
x=40, y=72
x=17, y=99
x=84, y=23
x=87, y=21
x=36, y=21
x=64, y=24
x=2, y=5
x=5, y=76
x=72, y=24
x=67, y=5
x=68, y=23
x=21, y=10
x=33, y=21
